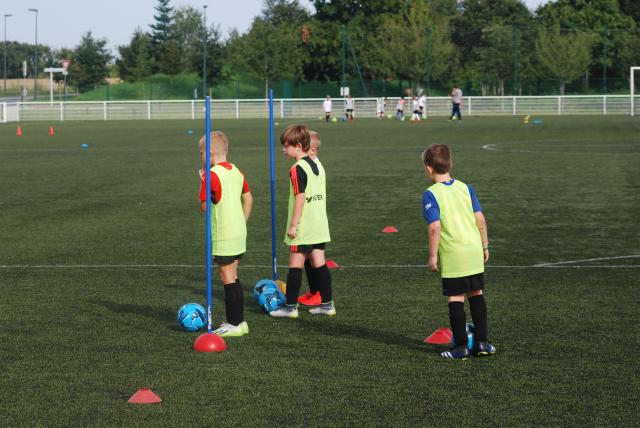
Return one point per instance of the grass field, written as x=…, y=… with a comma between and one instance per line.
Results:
x=100, y=247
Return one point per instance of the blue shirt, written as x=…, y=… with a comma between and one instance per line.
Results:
x=431, y=209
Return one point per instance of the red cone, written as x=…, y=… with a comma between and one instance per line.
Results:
x=390, y=229
x=144, y=396
x=441, y=336
x=52, y=131
x=209, y=342
x=332, y=265
x=19, y=131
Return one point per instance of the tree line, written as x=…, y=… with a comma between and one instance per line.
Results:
x=497, y=44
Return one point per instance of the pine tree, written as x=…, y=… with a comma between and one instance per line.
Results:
x=162, y=28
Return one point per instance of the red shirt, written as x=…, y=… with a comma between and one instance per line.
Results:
x=216, y=187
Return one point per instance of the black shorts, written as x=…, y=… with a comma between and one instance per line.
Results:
x=306, y=249
x=462, y=285
x=225, y=260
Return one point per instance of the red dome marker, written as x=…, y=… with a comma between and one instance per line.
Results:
x=390, y=229
x=209, y=342
x=441, y=336
x=332, y=265
x=144, y=396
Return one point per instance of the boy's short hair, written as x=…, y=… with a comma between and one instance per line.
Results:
x=219, y=143
x=438, y=157
x=314, y=139
x=294, y=135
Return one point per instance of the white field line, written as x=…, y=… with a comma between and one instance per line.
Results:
x=193, y=266
x=597, y=259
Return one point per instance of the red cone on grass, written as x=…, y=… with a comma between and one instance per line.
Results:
x=332, y=265
x=441, y=336
x=390, y=229
x=209, y=342
x=52, y=131
x=19, y=131
x=144, y=396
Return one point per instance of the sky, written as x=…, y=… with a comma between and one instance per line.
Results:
x=62, y=23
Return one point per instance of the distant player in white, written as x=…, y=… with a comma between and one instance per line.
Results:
x=415, y=109
x=348, y=108
x=327, y=106
x=422, y=104
x=456, y=100
x=400, y=109
x=381, y=106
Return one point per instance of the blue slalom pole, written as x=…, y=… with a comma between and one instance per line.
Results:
x=273, y=188
x=208, y=212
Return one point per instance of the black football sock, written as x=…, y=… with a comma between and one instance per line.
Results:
x=458, y=321
x=479, y=315
x=294, y=281
x=234, y=305
x=309, y=270
x=323, y=282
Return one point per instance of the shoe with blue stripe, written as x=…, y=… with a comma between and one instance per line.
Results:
x=457, y=353
x=485, y=348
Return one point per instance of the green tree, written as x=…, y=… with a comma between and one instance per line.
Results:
x=136, y=61
x=603, y=19
x=415, y=44
x=161, y=29
x=89, y=63
x=564, y=56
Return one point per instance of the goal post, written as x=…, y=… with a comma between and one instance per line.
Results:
x=632, y=90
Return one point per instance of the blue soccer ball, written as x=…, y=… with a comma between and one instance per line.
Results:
x=274, y=302
x=263, y=286
x=470, y=341
x=191, y=317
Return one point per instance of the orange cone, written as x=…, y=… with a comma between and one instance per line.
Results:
x=19, y=131
x=144, y=396
x=52, y=131
x=390, y=229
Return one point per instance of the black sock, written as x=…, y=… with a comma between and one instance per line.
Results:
x=234, y=303
x=294, y=281
x=458, y=322
x=309, y=270
x=323, y=282
x=479, y=315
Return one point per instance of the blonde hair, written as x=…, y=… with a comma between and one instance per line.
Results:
x=314, y=140
x=219, y=144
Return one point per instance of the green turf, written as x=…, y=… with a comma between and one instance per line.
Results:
x=83, y=325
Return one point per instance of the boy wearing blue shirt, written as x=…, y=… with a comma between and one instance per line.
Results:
x=458, y=249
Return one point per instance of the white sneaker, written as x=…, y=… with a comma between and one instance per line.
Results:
x=285, y=311
x=324, y=309
x=230, y=330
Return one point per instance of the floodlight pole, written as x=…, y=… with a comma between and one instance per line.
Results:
x=4, y=93
x=204, y=53
x=35, y=74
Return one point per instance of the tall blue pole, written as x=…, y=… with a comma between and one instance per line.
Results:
x=208, y=212
x=273, y=188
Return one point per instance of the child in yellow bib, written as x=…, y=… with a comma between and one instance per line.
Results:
x=307, y=226
x=458, y=249
x=231, y=203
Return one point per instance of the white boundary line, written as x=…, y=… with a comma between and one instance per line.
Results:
x=597, y=259
x=189, y=266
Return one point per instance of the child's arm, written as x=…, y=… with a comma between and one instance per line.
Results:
x=295, y=216
x=247, y=204
x=484, y=234
x=434, y=243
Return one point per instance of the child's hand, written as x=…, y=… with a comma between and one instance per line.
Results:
x=486, y=255
x=433, y=263
x=291, y=233
x=201, y=173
